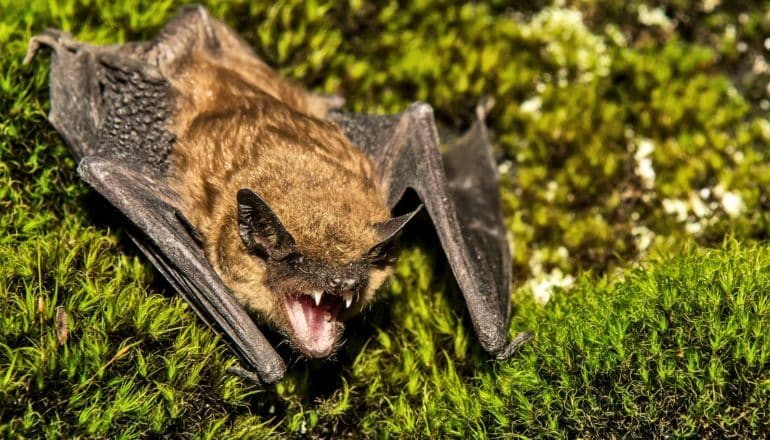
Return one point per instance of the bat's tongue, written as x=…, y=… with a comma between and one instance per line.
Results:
x=315, y=326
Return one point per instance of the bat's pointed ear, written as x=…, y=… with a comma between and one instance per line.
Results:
x=260, y=229
x=387, y=231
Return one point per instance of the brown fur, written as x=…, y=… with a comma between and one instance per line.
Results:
x=259, y=132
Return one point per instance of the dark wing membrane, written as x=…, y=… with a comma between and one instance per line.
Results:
x=169, y=245
x=473, y=182
x=462, y=202
x=107, y=103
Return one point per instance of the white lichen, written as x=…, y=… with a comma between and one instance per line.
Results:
x=676, y=207
x=563, y=253
x=531, y=105
x=643, y=237
x=644, y=168
x=710, y=5
x=693, y=228
x=505, y=167
x=571, y=44
x=699, y=208
x=543, y=286
x=543, y=283
x=732, y=203
x=759, y=65
x=536, y=263
x=654, y=17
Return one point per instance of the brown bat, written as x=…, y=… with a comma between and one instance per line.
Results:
x=248, y=192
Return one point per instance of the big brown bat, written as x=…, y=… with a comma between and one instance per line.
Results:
x=248, y=192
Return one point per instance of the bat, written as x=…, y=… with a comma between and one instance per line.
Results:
x=256, y=198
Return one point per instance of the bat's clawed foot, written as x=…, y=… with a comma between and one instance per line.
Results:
x=244, y=374
x=520, y=339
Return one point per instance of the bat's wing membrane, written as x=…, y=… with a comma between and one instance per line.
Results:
x=168, y=243
x=461, y=196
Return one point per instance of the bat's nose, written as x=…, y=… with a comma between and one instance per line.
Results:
x=342, y=283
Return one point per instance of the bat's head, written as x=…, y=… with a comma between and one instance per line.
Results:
x=313, y=294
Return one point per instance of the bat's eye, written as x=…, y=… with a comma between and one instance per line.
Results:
x=294, y=259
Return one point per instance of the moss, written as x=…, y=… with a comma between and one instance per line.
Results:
x=675, y=349
x=625, y=131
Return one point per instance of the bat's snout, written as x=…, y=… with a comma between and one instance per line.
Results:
x=314, y=321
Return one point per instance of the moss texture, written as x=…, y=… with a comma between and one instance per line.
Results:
x=632, y=139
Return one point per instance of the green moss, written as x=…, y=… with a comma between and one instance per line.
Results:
x=133, y=363
x=679, y=349
x=587, y=97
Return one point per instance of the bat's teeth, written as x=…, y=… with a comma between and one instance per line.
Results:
x=348, y=299
x=317, y=297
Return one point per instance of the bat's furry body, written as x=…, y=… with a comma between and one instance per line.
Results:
x=232, y=174
x=239, y=125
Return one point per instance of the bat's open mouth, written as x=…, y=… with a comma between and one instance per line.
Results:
x=314, y=321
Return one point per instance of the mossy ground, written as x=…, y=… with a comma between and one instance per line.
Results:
x=632, y=140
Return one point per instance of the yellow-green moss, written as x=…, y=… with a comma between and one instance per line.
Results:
x=592, y=99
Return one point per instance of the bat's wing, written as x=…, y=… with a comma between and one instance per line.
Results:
x=169, y=244
x=112, y=108
x=461, y=196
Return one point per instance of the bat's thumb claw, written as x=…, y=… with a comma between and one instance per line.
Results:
x=520, y=339
x=484, y=106
x=34, y=46
x=49, y=37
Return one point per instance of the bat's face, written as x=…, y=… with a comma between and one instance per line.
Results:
x=316, y=296
x=307, y=295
